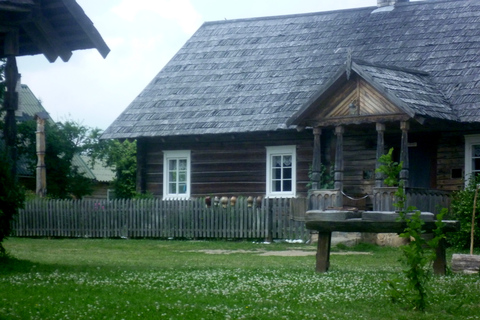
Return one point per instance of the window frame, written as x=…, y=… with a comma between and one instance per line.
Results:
x=176, y=155
x=281, y=151
x=470, y=141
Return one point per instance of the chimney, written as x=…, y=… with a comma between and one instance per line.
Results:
x=385, y=3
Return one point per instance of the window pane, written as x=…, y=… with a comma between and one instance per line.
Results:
x=172, y=165
x=277, y=173
x=172, y=188
x=476, y=165
x=287, y=161
x=287, y=185
x=182, y=165
x=182, y=188
x=276, y=186
x=287, y=173
x=182, y=176
x=172, y=177
x=476, y=151
x=276, y=161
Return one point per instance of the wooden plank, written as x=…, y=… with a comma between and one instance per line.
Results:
x=323, y=252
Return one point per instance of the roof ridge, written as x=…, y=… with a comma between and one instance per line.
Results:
x=390, y=67
x=283, y=16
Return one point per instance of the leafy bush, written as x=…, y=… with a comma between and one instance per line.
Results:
x=11, y=199
x=461, y=210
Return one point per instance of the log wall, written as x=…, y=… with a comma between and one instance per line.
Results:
x=228, y=165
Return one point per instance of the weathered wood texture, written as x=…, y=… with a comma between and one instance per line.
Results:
x=154, y=218
x=322, y=199
x=466, y=263
x=450, y=156
x=228, y=165
x=423, y=199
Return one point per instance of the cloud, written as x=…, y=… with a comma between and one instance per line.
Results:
x=181, y=12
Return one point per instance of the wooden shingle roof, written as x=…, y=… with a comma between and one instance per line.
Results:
x=54, y=28
x=254, y=74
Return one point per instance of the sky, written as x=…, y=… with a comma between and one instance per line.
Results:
x=143, y=36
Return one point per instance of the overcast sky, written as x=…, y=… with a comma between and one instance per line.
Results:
x=143, y=36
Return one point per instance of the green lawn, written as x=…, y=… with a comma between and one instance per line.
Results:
x=149, y=279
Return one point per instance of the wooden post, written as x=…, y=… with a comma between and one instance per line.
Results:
x=41, y=189
x=323, y=251
x=317, y=159
x=380, y=151
x=338, y=177
x=141, y=166
x=440, y=263
x=10, y=106
x=404, y=126
x=472, y=231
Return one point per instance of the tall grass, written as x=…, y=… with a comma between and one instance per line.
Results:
x=148, y=279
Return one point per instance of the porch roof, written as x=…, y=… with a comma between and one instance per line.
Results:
x=412, y=91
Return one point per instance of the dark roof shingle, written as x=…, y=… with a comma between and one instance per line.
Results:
x=254, y=74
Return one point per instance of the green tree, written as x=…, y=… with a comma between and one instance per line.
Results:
x=122, y=156
x=63, y=141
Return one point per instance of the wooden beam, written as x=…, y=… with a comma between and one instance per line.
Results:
x=380, y=151
x=11, y=46
x=44, y=35
x=317, y=158
x=323, y=251
x=404, y=126
x=87, y=25
x=338, y=176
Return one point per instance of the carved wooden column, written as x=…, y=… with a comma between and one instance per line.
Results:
x=317, y=158
x=380, y=151
x=41, y=178
x=338, y=177
x=404, y=126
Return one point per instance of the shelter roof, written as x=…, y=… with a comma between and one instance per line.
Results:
x=51, y=27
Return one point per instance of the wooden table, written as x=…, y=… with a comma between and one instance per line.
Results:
x=328, y=221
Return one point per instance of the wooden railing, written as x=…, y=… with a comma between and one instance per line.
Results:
x=154, y=218
x=427, y=200
x=323, y=199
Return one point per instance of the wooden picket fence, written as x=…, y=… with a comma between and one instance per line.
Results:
x=155, y=218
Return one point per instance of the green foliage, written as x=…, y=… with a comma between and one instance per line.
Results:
x=12, y=198
x=2, y=79
x=462, y=210
x=419, y=253
x=63, y=141
x=391, y=169
x=120, y=155
x=154, y=279
x=326, y=178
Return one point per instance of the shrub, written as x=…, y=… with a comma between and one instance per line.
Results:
x=11, y=199
x=461, y=210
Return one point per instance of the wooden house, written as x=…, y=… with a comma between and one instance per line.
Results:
x=257, y=106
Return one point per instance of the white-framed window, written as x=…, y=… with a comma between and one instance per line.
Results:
x=176, y=174
x=472, y=155
x=281, y=171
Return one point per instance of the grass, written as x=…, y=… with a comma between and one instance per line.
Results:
x=150, y=279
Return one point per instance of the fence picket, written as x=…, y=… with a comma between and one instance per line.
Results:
x=155, y=218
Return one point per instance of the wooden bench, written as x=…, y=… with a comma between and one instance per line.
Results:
x=328, y=221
